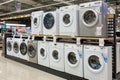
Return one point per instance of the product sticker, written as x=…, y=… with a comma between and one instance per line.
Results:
x=101, y=42
x=33, y=37
x=29, y=37
x=54, y=40
x=78, y=41
x=44, y=39
x=98, y=31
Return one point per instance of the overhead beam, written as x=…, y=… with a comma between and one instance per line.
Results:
x=6, y=2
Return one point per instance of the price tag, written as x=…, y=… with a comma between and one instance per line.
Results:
x=13, y=36
x=54, y=40
x=21, y=36
x=33, y=37
x=78, y=41
x=101, y=42
x=44, y=39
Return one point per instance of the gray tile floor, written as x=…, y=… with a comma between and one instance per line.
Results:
x=12, y=70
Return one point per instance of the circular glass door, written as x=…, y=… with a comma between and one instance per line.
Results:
x=90, y=18
x=31, y=51
x=23, y=48
x=42, y=53
x=55, y=55
x=9, y=46
x=67, y=19
x=16, y=47
x=35, y=21
x=48, y=21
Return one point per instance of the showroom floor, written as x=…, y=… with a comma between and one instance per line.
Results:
x=11, y=70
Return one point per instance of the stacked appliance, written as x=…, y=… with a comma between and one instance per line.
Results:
x=97, y=62
x=9, y=46
x=23, y=49
x=32, y=51
x=36, y=22
x=118, y=57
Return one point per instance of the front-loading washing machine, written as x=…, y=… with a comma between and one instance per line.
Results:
x=74, y=59
x=57, y=56
x=23, y=49
x=97, y=62
x=43, y=53
x=68, y=19
x=93, y=19
x=118, y=57
x=32, y=51
x=36, y=23
x=16, y=47
x=50, y=23
x=9, y=46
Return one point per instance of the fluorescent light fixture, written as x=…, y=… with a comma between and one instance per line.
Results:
x=20, y=25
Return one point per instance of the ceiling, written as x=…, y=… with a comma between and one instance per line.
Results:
x=8, y=6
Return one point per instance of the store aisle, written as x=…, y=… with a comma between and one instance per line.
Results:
x=11, y=70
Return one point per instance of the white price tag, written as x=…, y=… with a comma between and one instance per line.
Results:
x=21, y=36
x=98, y=31
x=54, y=40
x=33, y=37
x=44, y=39
x=101, y=42
x=78, y=41
x=13, y=36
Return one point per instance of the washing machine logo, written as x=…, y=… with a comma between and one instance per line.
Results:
x=105, y=58
x=80, y=54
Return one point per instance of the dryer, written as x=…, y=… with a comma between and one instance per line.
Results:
x=43, y=53
x=9, y=46
x=118, y=57
x=50, y=23
x=16, y=47
x=57, y=56
x=32, y=51
x=36, y=23
x=23, y=49
x=97, y=62
x=74, y=59
x=68, y=18
x=93, y=19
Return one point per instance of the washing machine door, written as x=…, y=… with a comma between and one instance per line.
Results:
x=55, y=55
x=31, y=51
x=89, y=17
x=9, y=46
x=16, y=47
x=35, y=22
x=23, y=48
x=67, y=18
x=42, y=53
x=95, y=63
x=73, y=58
x=48, y=21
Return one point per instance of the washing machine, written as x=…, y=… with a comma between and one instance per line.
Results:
x=74, y=59
x=36, y=23
x=32, y=51
x=57, y=56
x=68, y=18
x=50, y=23
x=43, y=53
x=16, y=47
x=9, y=46
x=97, y=62
x=118, y=57
x=23, y=49
x=93, y=19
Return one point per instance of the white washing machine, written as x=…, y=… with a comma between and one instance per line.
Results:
x=23, y=49
x=50, y=23
x=57, y=56
x=74, y=59
x=68, y=18
x=16, y=47
x=36, y=23
x=97, y=62
x=32, y=51
x=93, y=19
x=43, y=53
x=118, y=57
x=9, y=46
